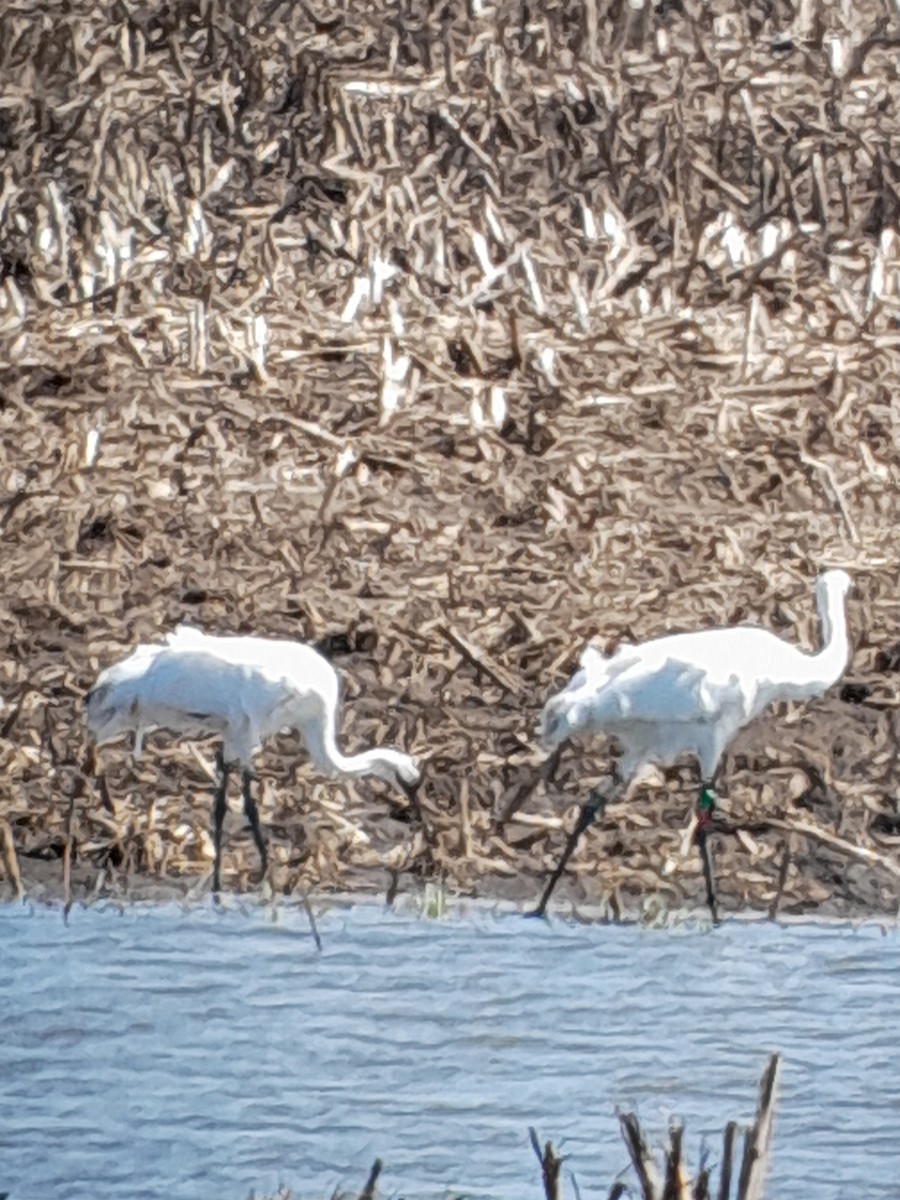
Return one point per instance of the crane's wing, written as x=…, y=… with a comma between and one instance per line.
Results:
x=573, y=707
x=668, y=691
x=185, y=637
x=596, y=669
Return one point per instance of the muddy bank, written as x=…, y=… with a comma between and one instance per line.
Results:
x=449, y=346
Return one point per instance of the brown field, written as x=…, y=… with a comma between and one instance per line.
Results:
x=449, y=343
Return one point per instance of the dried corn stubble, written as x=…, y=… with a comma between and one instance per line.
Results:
x=467, y=343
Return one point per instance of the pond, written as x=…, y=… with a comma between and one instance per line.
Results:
x=202, y=1053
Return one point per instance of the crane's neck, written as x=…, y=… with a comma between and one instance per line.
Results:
x=823, y=668
x=368, y=762
x=393, y=766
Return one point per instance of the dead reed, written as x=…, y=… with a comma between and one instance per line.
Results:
x=673, y=1180
x=449, y=342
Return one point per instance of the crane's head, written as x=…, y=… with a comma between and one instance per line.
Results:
x=107, y=718
x=554, y=725
x=833, y=583
x=399, y=769
x=113, y=701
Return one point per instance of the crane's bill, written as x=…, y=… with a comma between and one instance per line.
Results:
x=589, y=813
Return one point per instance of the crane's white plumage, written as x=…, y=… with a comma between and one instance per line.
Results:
x=243, y=690
x=690, y=693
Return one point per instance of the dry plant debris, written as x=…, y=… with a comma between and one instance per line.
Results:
x=448, y=340
x=674, y=1181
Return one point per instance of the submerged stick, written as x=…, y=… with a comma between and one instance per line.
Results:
x=700, y=1190
x=641, y=1158
x=368, y=1192
x=673, y=1181
x=315, y=931
x=727, y=1159
x=675, y=1187
x=758, y=1140
x=551, y=1163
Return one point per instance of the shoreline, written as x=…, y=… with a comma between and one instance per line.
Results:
x=429, y=901
x=121, y=836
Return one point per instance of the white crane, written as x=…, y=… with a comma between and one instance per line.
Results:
x=243, y=690
x=690, y=693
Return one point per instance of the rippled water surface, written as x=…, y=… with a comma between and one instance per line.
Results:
x=188, y=1054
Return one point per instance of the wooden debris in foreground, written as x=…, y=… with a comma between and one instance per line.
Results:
x=758, y=1140
x=551, y=1163
x=674, y=1183
x=369, y=1191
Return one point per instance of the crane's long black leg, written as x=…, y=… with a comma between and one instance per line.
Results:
x=219, y=806
x=253, y=817
x=705, y=807
x=589, y=812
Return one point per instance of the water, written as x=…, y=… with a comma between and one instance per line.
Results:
x=196, y=1054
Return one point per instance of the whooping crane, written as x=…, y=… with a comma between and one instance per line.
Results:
x=244, y=690
x=690, y=693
